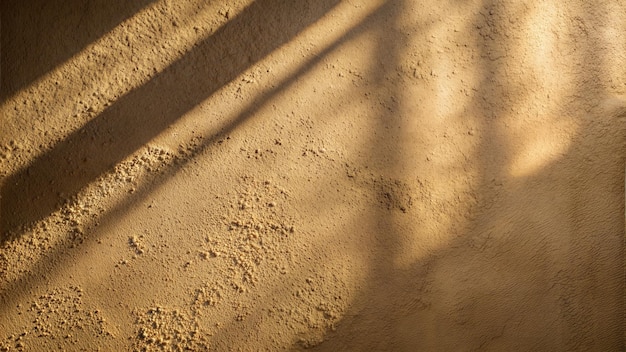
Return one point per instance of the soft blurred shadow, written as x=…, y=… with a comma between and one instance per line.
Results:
x=539, y=265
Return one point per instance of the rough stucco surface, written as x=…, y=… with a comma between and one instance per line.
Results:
x=326, y=175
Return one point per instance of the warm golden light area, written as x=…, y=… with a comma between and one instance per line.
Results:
x=257, y=175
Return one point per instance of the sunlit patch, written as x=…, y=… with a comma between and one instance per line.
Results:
x=542, y=25
x=612, y=30
x=538, y=152
x=547, y=30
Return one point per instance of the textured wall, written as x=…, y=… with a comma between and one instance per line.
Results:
x=334, y=175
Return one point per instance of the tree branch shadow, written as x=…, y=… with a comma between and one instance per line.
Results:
x=514, y=278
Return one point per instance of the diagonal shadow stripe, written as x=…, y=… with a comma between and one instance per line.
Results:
x=55, y=259
x=136, y=118
x=60, y=29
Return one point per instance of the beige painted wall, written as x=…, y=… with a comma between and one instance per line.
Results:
x=335, y=175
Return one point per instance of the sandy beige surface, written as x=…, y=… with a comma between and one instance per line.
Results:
x=327, y=175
